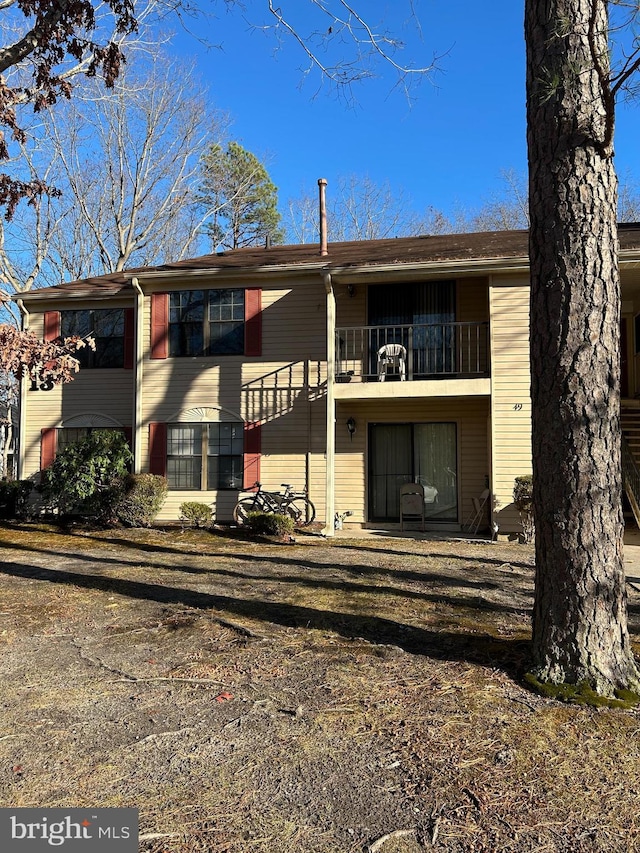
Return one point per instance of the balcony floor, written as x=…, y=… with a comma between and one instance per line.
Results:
x=393, y=389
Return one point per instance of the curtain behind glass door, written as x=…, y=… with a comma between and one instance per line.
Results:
x=434, y=461
x=406, y=453
x=429, y=307
x=390, y=449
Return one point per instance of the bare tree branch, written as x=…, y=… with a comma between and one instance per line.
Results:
x=127, y=161
x=342, y=44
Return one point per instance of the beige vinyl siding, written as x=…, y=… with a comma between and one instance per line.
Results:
x=472, y=300
x=106, y=393
x=110, y=397
x=286, y=457
x=510, y=394
x=284, y=390
x=472, y=306
x=470, y=416
x=350, y=310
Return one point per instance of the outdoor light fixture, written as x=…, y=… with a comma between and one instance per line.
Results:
x=351, y=290
x=351, y=426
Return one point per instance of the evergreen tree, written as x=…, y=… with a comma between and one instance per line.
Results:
x=580, y=617
x=241, y=198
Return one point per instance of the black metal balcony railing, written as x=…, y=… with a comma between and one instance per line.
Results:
x=430, y=350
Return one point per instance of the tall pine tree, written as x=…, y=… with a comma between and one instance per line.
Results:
x=580, y=625
x=241, y=197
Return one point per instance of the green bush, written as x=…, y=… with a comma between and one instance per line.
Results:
x=194, y=514
x=140, y=500
x=87, y=477
x=14, y=496
x=270, y=524
x=523, y=500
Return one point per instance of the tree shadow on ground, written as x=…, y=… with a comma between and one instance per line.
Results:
x=509, y=655
x=281, y=559
x=452, y=582
x=240, y=539
x=479, y=558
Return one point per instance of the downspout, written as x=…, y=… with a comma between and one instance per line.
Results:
x=137, y=378
x=22, y=413
x=330, y=481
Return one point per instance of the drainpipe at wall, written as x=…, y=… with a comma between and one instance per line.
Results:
x=137, y=379
x=22, y=412
x=330, y=501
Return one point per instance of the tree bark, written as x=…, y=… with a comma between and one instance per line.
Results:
x=580, y=617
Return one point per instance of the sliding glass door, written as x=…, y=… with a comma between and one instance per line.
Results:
x=423, y=453
x=420, y=316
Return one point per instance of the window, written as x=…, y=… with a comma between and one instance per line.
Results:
x=206, y=322
x=55, y=439
x=70, y=435
x=106, y=326
x=205, y=456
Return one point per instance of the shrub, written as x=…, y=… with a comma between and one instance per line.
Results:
x=14, y=495
x=87, y=476
x=270, y=524
x=141, y=499
x=523, y=500
x=194, y=514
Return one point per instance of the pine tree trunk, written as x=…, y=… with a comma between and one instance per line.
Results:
x=580, y=620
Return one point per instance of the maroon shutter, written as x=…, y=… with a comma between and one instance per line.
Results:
x=253, y=321
x=159, y=325
x=252, y=451
x=51, y=325
x=48, y=445
x=158, y=449
x=129, y=338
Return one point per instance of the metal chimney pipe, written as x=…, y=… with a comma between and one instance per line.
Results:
x=322, y=186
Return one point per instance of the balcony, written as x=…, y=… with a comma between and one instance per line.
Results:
x=433, y=351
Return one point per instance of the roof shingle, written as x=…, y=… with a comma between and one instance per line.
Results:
x=496, y=245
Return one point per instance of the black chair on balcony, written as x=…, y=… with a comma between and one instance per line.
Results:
x=394, y=356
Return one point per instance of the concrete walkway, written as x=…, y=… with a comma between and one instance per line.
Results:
x=632, y=557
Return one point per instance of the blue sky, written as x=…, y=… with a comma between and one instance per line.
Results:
x=446, y=148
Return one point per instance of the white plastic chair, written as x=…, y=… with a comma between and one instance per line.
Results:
x=412, y=503
x=392, y=355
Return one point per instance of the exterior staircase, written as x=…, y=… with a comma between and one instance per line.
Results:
x=630, y=423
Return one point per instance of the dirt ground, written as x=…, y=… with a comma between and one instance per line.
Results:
x=319, y=697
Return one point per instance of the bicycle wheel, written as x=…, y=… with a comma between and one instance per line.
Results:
x=242, y=510
x=301, y=510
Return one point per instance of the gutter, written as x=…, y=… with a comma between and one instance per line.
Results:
x=22, y=405
x=330, y=458
x=274, y=270
x=137, y=377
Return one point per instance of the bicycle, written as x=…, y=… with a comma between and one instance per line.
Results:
x=295, y=504
x=299, y=506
